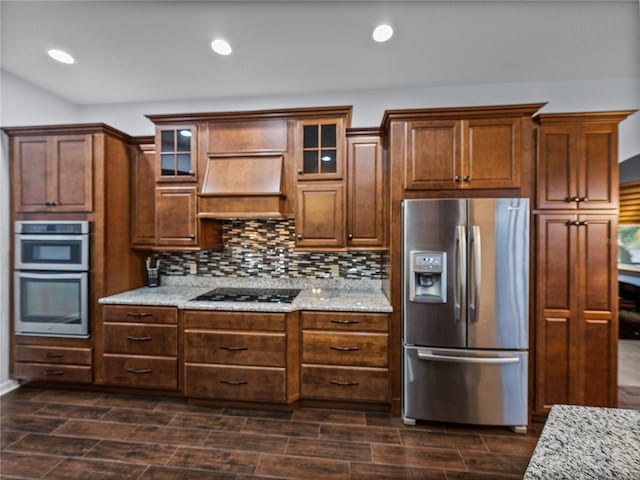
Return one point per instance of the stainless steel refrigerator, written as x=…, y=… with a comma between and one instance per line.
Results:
x=465, y=310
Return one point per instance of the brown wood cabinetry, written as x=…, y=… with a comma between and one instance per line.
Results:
x=53, y=363
x=143, y=186
x=321, y=149
x=576, y=323
x=345, y=356
x=320, y=218
x=366, y=213
x=53, y=173
x=241, y=356
x=578, y=161
x=176, y=153
x=140, y=346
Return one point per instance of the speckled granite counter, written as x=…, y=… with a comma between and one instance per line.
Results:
x=328, y=295
x=587, y=443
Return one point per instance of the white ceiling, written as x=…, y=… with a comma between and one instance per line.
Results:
x=150, y=51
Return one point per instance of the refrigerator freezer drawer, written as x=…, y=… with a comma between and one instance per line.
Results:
x=463, y=386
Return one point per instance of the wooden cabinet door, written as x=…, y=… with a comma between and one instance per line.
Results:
x=491, y=153
x=143, y=207
x=320, y=149
x=434, y=155
x=597, y=175
x=53, y=174
x=556, y=307
x=176, y=153
x=365, y=200
x=320, y=215
x=176, y=221
x=597, y=292
x=557, y=184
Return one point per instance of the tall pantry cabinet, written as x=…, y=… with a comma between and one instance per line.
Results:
x=576, y=260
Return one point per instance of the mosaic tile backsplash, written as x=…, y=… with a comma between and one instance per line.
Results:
x=265, y=248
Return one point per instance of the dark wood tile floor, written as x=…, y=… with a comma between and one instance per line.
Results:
x=61, y=434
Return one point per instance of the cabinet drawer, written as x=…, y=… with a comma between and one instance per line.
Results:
x=345, y=348
x=345, y=321
x=139, y=313
x=66, y=355
x=134, y=371
x=239, y=348
x=52, y=372
x=234, y=320
x=141, y=339
x=342, y=383
x=255, y=384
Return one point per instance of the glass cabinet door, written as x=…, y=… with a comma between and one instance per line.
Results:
x=176, y=152
x=321, y=152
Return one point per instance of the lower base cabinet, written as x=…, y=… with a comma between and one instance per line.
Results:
x=345, y=383
x=141, y=371
x=53, y=363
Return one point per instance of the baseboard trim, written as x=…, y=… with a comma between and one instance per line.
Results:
x=8, y=386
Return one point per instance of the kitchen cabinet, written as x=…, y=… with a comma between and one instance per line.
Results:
x=176, y=153
x=143, y=186
x=140, y=346
x=53, y=173
x=53, y=363
x=578, y=161
x=366, y=212
x=345, y=356
x=241, y=356
x=320, y=154
x=177, y=225
x=320, y=217
x=576, y=318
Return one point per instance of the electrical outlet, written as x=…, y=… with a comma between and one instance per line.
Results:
x=335, y=270
x=193, y=268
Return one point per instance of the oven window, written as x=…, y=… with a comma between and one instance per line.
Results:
x=51, y=300
x=51, y=251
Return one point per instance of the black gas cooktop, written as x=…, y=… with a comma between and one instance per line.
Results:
x=268, y=295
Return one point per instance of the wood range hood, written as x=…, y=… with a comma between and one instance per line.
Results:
x=247, y=185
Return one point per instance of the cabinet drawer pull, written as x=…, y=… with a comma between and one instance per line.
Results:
x=344, y=349
x=52, y=355
x=344, y=384
x=48, y=373
x=584, y=199
x=457, y=178
x=139, y=339
x=138, y=315
x=139, y=371
x=231, y=382
x=466, y=178
x=345, y=322
x=233, y=349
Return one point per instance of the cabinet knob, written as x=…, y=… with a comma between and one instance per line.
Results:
x=50, y=203
x=350, y=236
x=575, y=199
x=300, y=171
x=457, y=178
x=192, y=237
x=466, y=178
x=583, y=199
x=191, y=173
x=299, y=236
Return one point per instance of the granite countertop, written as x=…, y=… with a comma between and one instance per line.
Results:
x=339, y=295
x=587, y=443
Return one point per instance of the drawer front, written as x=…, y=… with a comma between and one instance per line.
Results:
x=368, y=349
x=51, y=372
x=234, y=320
x=257, y=384
x=139, y=313
x=141, y=339
x=377, y=322
x=130, y=371
x=342, y=383
x=44, y=354
x=235, y=348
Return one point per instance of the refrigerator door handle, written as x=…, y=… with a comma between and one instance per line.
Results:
x=460, y=283
x=476, y=272
x=486, y=360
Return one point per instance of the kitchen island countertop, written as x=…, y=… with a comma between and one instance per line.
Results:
x=587, y=443
x=346, y=297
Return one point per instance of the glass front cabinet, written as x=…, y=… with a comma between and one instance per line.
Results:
x=321, y=149
x=177, y=153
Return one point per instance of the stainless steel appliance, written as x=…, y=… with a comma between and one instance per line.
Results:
x=465, y=310
x=51, y=288
x=253, y=295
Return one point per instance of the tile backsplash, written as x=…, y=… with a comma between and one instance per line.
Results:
x=265, y=248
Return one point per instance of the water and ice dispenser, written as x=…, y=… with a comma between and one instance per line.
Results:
x=428, y=282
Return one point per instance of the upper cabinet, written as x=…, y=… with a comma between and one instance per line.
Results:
x=463, y=148
x=578, y=160
x=53, y=173
x=320, y=152
x=176, y=153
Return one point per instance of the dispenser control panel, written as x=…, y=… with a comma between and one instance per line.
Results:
x=428, y=262
x=428, y=277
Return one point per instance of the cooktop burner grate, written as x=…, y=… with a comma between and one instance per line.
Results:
x=267, y=295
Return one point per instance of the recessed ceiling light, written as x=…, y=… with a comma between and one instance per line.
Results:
x=382, y=33
x=60, y=56
x=221, y=47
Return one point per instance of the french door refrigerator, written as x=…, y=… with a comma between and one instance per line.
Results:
x=465, y=310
